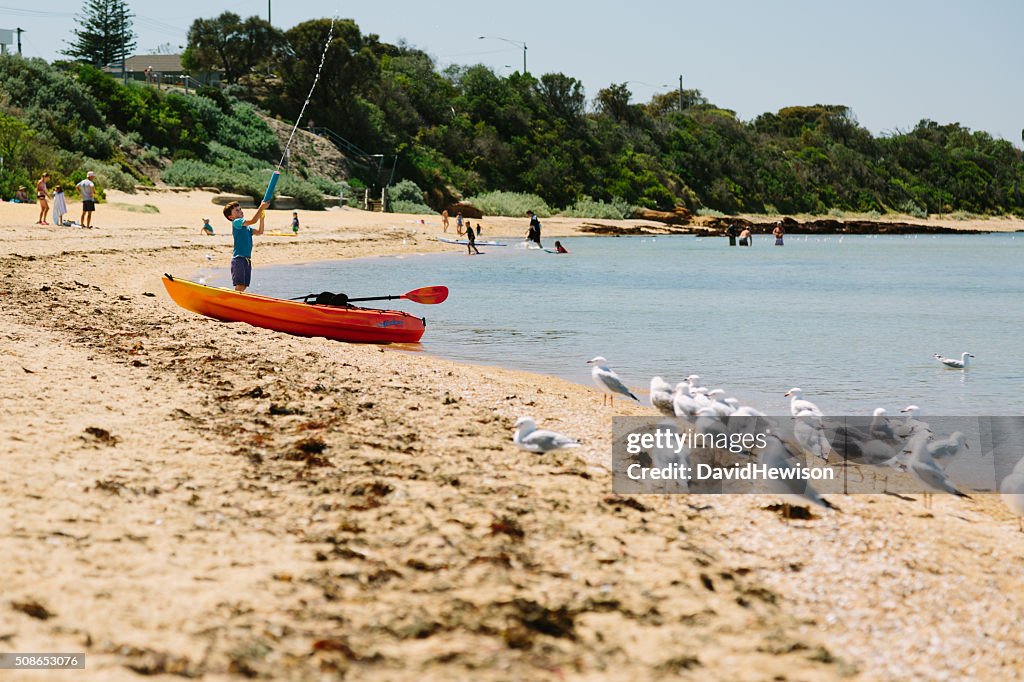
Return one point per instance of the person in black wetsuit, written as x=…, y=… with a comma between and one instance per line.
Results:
x=534, y=233
x=470, y=240
x=732, y=231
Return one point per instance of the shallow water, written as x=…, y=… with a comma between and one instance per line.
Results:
x=853, y=321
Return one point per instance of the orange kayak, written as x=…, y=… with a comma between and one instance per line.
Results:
x=356, y=325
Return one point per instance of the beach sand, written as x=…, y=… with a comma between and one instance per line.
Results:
x=192, y=498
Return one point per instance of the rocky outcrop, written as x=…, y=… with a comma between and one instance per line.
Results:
x=827, y=226
x=467, y=210
x=678, y=216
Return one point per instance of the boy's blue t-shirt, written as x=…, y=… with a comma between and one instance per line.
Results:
x=243, y=238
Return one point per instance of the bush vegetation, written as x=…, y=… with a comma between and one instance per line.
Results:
x=512, y=204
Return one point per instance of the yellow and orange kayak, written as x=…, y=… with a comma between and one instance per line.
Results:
x=356, y=325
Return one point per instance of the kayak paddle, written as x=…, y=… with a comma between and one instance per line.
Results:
x=424, y=295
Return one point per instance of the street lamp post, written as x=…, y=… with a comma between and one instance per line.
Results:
x=517, y=43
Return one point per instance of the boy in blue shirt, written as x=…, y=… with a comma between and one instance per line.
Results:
x=242, y=233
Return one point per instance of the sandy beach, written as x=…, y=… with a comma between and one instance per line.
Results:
x=195, y=499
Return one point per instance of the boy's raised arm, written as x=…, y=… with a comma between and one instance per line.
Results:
x=263, y=218
x=258, y=216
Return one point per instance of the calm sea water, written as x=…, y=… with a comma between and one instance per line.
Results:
x=853, y=321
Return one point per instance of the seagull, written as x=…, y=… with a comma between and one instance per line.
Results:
x=608, y=381
x=775, y=455
x=811, y=436
x=912, y=425
x=719, y=406
x=798, y=404
x=662, y=396
x=683, y=402
x=1012, y=492
x=943, y=451
x=530, y=438
x=953, y=363
x=927, y=470
x=880, y=427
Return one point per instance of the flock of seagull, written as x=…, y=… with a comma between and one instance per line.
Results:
x=908, y=444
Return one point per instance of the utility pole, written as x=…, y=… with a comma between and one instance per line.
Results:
x=268, y=12
x=20, y=31
x=680, y=93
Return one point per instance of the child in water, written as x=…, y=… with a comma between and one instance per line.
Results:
x=207, y=227
x=295, y=222
x=559, y=248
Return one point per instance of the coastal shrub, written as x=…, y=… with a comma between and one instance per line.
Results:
x=406, y=197
x=769, y=209
x=837, y=213
x=617, y=209
x=248, y=178
x=108, y=175
x=911, y=209
x=512, y=204
x=710, y=213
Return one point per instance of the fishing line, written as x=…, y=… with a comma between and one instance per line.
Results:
x=288, y=145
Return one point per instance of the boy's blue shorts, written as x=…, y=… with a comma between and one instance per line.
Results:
x=241, y=271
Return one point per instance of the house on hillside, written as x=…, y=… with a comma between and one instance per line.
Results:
x=160, y=69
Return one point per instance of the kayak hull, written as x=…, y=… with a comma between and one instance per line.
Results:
x=355, y=325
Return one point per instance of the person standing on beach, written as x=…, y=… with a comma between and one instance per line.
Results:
x=43, y=197
x=779, y=233
x=242, y=234
x=88, y=190
x=746, y=237
x=470, y=240
x=207, y=230
x=444, y=219
x=295, y=222
x=458, y=222
x=533, y=234
x=60, y=207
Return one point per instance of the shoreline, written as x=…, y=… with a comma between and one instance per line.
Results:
x=218, y=500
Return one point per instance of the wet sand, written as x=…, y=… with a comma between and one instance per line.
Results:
x=200, y=499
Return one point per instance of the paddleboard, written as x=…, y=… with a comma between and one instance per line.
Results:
x=464, y=242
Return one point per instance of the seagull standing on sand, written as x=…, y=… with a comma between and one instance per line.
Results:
x=608, y=381
x=792, y=490
x=912, y=425
x=943, y=451
x=530, y=438
x=953, y=363
x=880, y=427
x=683, y=402
x=798, y=404
x=1012, y=492
x=927, y=470
x=661, y=396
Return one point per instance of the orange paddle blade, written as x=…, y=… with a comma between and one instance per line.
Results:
x=427, y=295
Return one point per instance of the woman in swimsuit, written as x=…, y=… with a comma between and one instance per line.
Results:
x=44, y=204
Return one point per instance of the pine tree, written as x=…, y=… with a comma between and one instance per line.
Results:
x=105, y=33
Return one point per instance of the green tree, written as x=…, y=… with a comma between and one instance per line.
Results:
x=232, y=45
x=105, y=33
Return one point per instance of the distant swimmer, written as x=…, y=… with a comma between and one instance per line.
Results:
x=779, y=233
x=559, y=248
x=746, y=237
